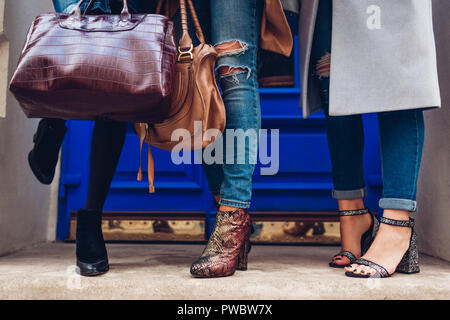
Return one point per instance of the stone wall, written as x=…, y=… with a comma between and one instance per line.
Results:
x=27, y=208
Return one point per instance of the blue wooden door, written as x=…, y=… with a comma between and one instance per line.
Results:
x=303, y=182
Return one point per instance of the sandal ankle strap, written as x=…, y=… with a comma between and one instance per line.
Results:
x=398, y=223
x=358, y=212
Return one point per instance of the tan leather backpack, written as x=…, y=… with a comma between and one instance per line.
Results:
x=195, y=97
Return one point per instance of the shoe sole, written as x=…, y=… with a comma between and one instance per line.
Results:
x=354, y=275
x=92, y=269
x=211, y=277
x=337, y=266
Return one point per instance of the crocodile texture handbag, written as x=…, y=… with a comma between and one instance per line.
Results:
x=89, y=67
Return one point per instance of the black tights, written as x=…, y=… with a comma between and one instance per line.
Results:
x=106, y=147
x=107, y=143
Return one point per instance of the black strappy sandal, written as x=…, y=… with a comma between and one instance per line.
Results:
x=366, y=238
x=409, y=263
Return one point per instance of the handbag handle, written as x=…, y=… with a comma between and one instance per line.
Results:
x=75, y=14
x=185, y=44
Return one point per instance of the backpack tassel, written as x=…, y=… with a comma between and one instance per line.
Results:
x=150, y=171
x=150, y=164
x=140, y=175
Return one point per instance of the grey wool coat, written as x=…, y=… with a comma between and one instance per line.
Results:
x=383, y=56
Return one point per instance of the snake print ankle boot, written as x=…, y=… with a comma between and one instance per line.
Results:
x=228, y=246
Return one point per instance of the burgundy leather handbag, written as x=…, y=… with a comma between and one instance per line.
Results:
x=86, y=67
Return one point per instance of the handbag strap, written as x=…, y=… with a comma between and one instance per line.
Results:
x=185, y=49
x=186, y=41
x=185, y=46
x=159, y=6
x=125, y=15
x=198, y=27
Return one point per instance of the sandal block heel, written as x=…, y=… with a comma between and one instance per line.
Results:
x=410, y=261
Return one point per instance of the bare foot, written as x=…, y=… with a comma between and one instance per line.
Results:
x=389, y=246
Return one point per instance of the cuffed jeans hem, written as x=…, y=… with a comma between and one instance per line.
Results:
x=349, y=194
x=236, y=204
x=398, y=204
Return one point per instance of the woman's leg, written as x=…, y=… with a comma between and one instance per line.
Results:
x=107, y=142
x=402, y=138
x=235, y=27
x=106, y=146
x=345, y=141
x=235, y=33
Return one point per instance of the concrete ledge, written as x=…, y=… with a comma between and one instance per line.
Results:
x=155, y=271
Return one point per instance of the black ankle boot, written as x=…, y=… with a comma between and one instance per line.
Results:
x=47, y=142
x=92, y=258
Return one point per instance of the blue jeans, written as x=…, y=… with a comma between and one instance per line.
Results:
x=236, y=20
x=103, y=5
x=401, y=137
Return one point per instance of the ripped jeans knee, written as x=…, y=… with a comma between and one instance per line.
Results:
x=323, y=66
x=233, y=58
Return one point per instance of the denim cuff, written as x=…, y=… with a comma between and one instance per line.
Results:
x=236, y=204
x=398, y=204
x=349, y=194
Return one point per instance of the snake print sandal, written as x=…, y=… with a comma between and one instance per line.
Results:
x=409, y=263
x=366, y=238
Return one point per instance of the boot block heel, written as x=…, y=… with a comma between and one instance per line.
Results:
x=243, y=256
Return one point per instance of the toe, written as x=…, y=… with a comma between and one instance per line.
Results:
x=342, y=261
x=351, y=268
x=371, y=271
x=364, y=270
x=359, y=269
x=336, y=258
